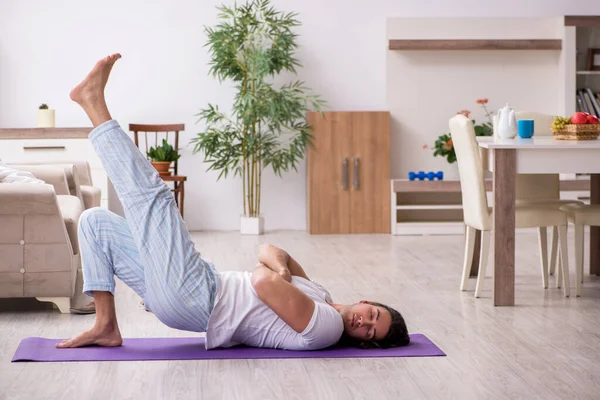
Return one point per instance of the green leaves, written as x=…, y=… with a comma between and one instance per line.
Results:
x=250, y=45
x=165, y=152
x=443, y=146
x=484, y=129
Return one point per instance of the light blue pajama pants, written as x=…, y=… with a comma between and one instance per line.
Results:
x=151, y=251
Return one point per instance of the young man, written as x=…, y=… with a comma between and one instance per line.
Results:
x=151, y=251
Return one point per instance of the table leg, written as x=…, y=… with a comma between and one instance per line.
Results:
x=594, y=230
x=504, y=226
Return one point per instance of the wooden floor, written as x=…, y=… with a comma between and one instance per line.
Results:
x=548, y=347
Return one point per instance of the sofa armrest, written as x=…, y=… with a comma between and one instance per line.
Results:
x=19, y=199
x=70, y=174
x=72, y=180
x=52, y=175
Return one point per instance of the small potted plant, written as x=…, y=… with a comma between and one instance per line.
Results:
x=162, y=156
x=443, y=146
x=45, y=117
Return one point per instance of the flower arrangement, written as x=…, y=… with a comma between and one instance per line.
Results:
x=443, y=146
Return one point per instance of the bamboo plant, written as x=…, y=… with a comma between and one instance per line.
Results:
x=250, y=46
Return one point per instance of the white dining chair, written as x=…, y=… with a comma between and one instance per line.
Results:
x=542, y=189
x=477, y=215
x=581, y=215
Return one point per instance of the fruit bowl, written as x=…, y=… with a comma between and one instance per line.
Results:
x=577, y=132
x=576, y=128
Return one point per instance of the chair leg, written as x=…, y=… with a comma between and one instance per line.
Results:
x=564, y=258
x=553, y=248
x=63, y=303
x=579, y=257
x=543, y=240
x=559, y=273
x=468, y=259
x=483, y=257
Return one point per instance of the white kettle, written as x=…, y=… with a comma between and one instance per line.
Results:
x=507, y=123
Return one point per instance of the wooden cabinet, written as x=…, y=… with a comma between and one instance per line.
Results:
x=348, y=173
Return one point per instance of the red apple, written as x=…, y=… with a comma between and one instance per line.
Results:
x=592, y=119
x=579, y=118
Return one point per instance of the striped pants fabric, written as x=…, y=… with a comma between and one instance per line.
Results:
x=151, y=250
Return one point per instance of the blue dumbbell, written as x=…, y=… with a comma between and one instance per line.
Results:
x=413, y=175
x=432, y=175
x=421, y=175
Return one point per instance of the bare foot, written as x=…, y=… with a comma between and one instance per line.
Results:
x=106, y=337
x=89, y=94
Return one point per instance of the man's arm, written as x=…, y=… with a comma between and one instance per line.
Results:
x=279, y=260
x=287, y=301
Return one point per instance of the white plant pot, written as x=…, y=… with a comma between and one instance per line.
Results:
x=252, y=226
x=45, y=118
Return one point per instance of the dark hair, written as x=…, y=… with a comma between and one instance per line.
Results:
x=396, y=337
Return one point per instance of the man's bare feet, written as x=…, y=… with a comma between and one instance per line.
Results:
x=89, y=94
x=108, y=336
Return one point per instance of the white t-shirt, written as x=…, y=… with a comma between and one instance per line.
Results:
x=240, y=317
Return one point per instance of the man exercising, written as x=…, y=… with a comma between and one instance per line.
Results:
x=275, y=306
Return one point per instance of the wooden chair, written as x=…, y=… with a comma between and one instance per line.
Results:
x=160, y=132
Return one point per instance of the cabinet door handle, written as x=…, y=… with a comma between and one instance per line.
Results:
x=356, y=182
x=44, y=147
x=345, y=174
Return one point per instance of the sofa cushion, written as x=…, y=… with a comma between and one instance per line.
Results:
x=71, y=209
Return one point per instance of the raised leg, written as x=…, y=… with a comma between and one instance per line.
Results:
x=579, y=245
x=468, y=258
x=504, y=226
x=63, y=303
x=553, y=249
x=562, y=238
x=543, y=241
x=483, y=258
x=180, y=284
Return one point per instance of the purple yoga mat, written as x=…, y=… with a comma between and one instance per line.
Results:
x=40, y=349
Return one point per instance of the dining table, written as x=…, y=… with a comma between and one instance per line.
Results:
x=506, y=158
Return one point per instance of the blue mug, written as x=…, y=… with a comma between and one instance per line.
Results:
x=525, y=128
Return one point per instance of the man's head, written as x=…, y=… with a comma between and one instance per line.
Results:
x=368, y=324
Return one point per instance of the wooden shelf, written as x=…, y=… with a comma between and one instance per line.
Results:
x=44, y=133
x=430, y=207
x=582, y=20
x=588, y=72
x=453, y=186
x=468, y=44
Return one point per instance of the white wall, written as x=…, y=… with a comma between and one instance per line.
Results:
x=47, y=47
x=426, y=88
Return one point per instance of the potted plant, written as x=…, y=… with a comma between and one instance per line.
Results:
x=266, y=127
x=443, y=146
x=45, y=117
x=162, y=156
